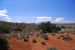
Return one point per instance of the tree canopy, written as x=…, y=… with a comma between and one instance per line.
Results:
x=48, y=27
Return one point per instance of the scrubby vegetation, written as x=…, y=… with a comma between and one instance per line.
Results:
x=67, y=38
x=47, y=27
x=26, y=38
x=4, y=28
x=45, y=36
x=43, y=33
x=3, y=44
x=43, y=43
x=34, y=41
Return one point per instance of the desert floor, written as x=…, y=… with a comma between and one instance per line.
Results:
x=18, y=44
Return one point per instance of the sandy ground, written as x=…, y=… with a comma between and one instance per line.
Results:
x=16, y=44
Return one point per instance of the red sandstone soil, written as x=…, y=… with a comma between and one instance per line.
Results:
x=60, y=44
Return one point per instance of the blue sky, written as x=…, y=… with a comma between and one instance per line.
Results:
x=35, y=11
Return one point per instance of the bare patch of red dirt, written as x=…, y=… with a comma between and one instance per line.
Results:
x=53, y=41
x=16, y=44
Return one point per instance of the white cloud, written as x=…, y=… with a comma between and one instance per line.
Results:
x=3, y=12
x=39, y=19
x=61, y=20
x=4, y=16
x=43, y=19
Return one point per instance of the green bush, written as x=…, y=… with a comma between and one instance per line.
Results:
x=3, y=44
x=4, y=28
x=47, y=27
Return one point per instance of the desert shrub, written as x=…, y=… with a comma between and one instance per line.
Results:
x=47, y=27
x=38, y=35
x=34, y=41
x=3, y=44
x=57, y=29
x=67, y=38
x=58, y=37
x=43, y=43
x=53, y=34
x=45, y=36
x=26, y=39
x=52, y=48
x=28, y=36
x=4, y=28
x=42, y=33
x=61, y=35
x=61, y=32
x=18, y=29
